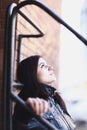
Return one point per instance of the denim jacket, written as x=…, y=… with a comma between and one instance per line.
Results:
x=23, y=121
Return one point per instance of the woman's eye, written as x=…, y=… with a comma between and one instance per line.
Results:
x=42, y=65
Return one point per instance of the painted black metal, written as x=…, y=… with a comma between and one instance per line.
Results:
x=52, y=14
x=28, y=108
x=9, y=66
x=7, y=73
x=8, y=82
x=29, y=21
x=21, y=36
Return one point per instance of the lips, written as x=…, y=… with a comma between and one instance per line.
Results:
x=51, y=73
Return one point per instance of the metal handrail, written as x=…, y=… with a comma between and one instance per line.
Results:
x=9, y=54
x=28, y=108
x=52, y=14
x=6, y=75
x=21, y=36
x=8, y=82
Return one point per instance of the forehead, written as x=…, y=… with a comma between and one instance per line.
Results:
x=41, y=60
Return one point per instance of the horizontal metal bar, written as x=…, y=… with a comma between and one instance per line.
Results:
x=9, y=57
x=28, y=108
x=51, y=13
x=17, y=84
x=29, y=21
x=31, y=35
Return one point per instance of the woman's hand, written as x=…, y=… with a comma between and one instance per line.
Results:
x=38, y=105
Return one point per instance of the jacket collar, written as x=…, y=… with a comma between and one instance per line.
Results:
x=49, y=90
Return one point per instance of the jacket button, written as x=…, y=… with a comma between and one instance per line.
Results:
x=51, y=116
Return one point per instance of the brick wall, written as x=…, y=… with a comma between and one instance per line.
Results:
x=47, y=46
x=3, y=7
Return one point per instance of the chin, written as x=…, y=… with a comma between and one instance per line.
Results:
x=54, y=79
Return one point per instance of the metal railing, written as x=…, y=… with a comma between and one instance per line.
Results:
x=8, y=80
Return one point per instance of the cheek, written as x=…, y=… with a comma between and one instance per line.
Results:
x=42, y=76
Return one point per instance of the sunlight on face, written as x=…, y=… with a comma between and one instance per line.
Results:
x=45, y=72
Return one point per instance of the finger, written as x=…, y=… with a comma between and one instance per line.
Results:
x=46, y=107
x=30, y=101
x=43, y=106
x=35, y=104
x=39, y=106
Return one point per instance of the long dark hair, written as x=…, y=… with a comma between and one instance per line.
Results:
x=27, y=75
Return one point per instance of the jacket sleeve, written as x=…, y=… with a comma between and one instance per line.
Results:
x=32, y=125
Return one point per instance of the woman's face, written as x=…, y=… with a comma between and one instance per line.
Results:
x=45, y=72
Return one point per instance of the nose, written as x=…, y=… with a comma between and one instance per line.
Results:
x=50, y=67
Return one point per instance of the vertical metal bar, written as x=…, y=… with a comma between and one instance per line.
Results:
x=7, y=72
x=11, y=66
x=5, y=69
x=9, y=54
x=19, y=49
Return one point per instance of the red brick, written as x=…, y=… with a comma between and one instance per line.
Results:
x=30, y=46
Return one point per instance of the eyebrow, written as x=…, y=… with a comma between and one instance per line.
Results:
x=41, y=63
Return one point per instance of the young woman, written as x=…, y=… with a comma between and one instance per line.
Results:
x=37, y=77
